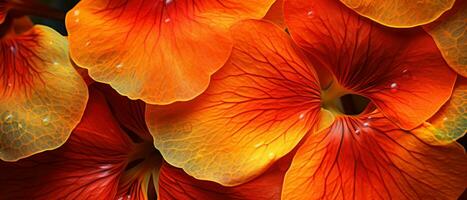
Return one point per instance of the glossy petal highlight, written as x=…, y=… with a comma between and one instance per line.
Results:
x=87, y=166
x=156, y=50
x=382, y=64
x=371, y=158
x=42, y=95
x=256, y=109
x=450, y=36
x=450, y=123
x=400, y=13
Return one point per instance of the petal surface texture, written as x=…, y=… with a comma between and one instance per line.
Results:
x=369, y=157
x=88, y=166
x=42, y=96
x=450, y=122
x=450, y=36
x=401, y=71
x=176, y=184
x=400, y=13
x=256, y=109
x=157, y=51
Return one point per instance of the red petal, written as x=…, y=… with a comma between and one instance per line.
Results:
x=402, y=71
x=88, y=166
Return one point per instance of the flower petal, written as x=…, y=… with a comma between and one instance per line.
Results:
x=276, y=13
x=400, y=13
x=42, y=95
x=3, y=10
x=129, y=113
x=371, y=158
x=401, y=71
x=256, y=109
x=156, y=50
x=450, y=122
x=450, y=36
x=174, y=183
x=87, y=166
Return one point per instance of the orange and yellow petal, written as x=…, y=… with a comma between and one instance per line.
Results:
x=87, y=166
x=401, y=71
x=174, y=183
x=449, y=34
x=400, y=13
x=256, y=109
x=157, y=51
x=42, y=96
x=450, y=122
x=371, y=158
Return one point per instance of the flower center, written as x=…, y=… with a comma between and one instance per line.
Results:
x=342, y=101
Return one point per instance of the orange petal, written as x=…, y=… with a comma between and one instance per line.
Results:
x=42, y=95
x=156, y=51
x=256, y=109
x=174, y=183
x=276, y=13
x=371, y=158
x=401, y=71
x=400, y=13
x=129, y=113
x=88, y=166
x=450, y=122
x=449, y=35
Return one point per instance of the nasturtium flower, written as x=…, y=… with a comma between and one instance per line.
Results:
x=157, y=51
x=400, y=13
x=268, y=98
x=449, y=33
x=99, y=161
x=450, y=122
x=42, y=97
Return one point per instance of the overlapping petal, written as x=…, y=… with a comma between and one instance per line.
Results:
x=401, y=71
x=157, y=51
x=256, y=109
x=3, y=10
x=42, y=95
x=369, y=157
x=174, y=183
x=450, y=122
x=400, y=13
x=129, y=113
x=449, y=34
x=276, y=13
x=87, y=166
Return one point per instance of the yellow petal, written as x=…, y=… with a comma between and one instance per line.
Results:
x=42, y=95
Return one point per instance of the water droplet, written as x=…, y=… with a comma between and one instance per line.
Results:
x=120, y=198
x=394, y=87
x=13, y=49
x=8, y=118
x=370, y=117
x=167, y=20
x=46, y=121
x=77, y=20
x=357, y=131
x=271, y=155
x=302, y=116
x=445, y=119
x=55, y=63
x=76, y=12
x=366, y=124
x=168, y=1
x=10, y=84
x=119, y=65
x=128, y=196
x=310, y=13
x=87, y=43
x=51, y=43
x=259, y=144
x=20, y=126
